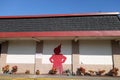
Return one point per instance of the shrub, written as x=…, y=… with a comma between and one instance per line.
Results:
x=27, y=72
x=68, y=72
x=53, y=71
x=14, y=69
x=100, y=72
x=5, y=69
x=37, y=72
x=81, y=71
x=91, y=72
x=113, y=72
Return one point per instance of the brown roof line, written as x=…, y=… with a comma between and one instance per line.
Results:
x=63, y=15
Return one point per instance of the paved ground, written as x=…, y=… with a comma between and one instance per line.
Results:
x=58, y=77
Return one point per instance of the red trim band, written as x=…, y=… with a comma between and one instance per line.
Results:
x=61, y=34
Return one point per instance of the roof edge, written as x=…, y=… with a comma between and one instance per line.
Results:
x=62, y=15
x=61, y=34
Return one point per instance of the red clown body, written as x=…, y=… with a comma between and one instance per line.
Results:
x=57, y=59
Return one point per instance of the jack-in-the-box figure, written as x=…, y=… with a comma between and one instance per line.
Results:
x=57, y=59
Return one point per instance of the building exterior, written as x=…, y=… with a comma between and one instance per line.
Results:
x=88, y=40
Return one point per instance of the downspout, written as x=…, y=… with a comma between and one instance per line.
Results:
x=112, y=43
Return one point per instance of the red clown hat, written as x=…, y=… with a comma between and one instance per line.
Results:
x=57, y=50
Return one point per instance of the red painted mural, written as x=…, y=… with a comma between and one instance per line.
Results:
x=57, y=59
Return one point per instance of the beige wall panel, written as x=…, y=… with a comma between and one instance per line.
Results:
x=117, y=62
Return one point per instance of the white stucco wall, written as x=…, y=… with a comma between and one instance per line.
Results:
x=21, y=52
x=49, y=47
x=95, y=52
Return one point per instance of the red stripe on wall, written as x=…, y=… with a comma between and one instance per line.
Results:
x=60, y=34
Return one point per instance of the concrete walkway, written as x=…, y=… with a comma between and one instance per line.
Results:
x=60, y=77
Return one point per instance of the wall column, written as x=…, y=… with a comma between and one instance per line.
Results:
x=38, y=58
x=75, y=55
x=3, y=57
x=116, y=54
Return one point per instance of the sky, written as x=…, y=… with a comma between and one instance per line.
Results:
x=37, y=7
